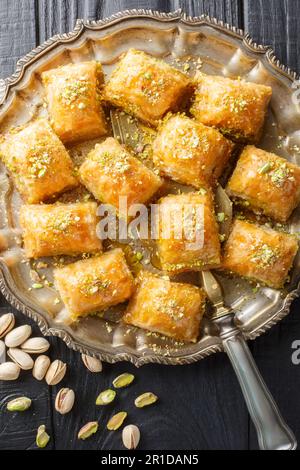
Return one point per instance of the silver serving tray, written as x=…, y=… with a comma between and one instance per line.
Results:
x=223, y=50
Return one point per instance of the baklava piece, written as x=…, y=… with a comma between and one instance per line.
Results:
x=260, y=253
x=189, y=152
x=188, y=233
x=38, y=162
x=59, y=229
x=166, y=307
x=111, y=172
x=146, y=87
x=267, y=183
x=74, y=101
x=236, y=107
x=94, y=284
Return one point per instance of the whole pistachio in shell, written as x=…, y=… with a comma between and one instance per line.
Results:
x=91, y=363
x=21, y=358
x=7, y=322
x=35, y=345
x=17, y=336
x=40, y=367
x=64, y=400
x=131, y=436
x=56, y=372
x=9, y=371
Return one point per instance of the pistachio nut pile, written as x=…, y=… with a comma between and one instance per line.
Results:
x=17, y=347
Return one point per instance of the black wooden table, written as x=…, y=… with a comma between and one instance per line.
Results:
x=201, y=406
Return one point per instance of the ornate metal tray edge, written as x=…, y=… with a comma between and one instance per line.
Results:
x=8, y=84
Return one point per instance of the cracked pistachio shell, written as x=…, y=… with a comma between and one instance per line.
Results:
x=131, y=436
x=56, y=372
x=40, y=367
x=106, y=397
x=7, y=322
x=64, y=401
x=9, y=371
x=116, y=421
x=88, y=430
x=35, y=345
x=42, y=438
x=21, y=358
x=17, y=336
x=91, y=363
x=145, y=399
x=19, y=404
x=123, y=380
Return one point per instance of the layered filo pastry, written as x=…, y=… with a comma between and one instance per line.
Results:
x=188, y=233
x=73, y=95
x=169, y=308
x=236, y=107
x=38, y=162
x=260, y=253
x=146, y=87
x=266, y=183
x=110, y=171
x=189, y=152
x=59, y=229
x=95, y=284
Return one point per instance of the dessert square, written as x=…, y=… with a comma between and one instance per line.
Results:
x=59, y=229
x=189, y=152
x=188, y=233
x=166, y=307
x=73, y=94
x=110, y=172
x=94, y=284
x=38, y=162
x=236, y=107
x=266, y=182
x=146, y=87
x=260, y=253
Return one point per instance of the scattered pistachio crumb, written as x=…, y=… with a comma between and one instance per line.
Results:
x=37, y=286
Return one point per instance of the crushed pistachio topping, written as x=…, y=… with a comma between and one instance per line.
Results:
x=38, y=161
x=77, y=90
x=171, y=308
x=282, y=174
x=113, y=162
x=279, y=174
x=264, y=256
x=60, y=224
x=188, y=139
x=202, y=192
x=152, y=87
x=63, y=222
x=235, y=104
x=265, y=168
x=93, y=285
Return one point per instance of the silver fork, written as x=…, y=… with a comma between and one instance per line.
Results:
x=273, y=433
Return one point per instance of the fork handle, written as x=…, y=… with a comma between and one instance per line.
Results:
x=273, y=433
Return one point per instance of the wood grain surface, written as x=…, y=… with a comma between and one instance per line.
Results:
x=201, y=406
